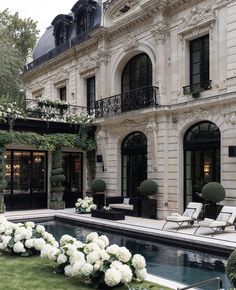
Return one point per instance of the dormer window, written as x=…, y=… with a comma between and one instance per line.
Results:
x=84, y=15
x=61, y=28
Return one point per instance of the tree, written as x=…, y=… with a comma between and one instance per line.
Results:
x=23, y=32
x=17, y=36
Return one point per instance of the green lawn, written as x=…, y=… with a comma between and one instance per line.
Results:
x=34, y=273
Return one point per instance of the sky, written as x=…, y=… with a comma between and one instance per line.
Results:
x=43, y=11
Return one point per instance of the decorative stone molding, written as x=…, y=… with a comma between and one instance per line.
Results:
x=122, y=8
x=198, y=17
x=196, y=114
x=131, y=43
x=128, y=125
x=61, y=76
x=88, y=63
x=160, y=31
x=103, y=55
x=151, y=131
x=230, y=118
x=102, y=137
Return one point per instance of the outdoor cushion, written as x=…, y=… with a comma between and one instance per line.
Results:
x=208, y=223
x=177, y=218
x=122, y=206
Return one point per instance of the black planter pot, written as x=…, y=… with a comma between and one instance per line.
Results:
x=99, y=199
x=211, y=211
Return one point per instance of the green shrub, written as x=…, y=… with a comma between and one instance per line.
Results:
x=148, y=187
x=57, y=176
x=231, y=268
x=213, y=192
x=98, y=185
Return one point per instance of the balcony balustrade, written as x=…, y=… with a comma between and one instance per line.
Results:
x=129, y=101
x=196, y=89
x=34, y=109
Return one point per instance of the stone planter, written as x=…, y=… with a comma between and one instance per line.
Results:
x=57, y=204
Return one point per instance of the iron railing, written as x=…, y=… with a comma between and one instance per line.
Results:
x=82, y=37
x=129, y=101
x=196, y=89
x=50, y=112
x=212, y=280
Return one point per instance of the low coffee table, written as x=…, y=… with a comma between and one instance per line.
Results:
x=108, y=214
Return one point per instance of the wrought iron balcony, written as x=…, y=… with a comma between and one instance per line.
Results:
x=52, y=112
x=196, y=89
x=82, y=37
x=129, y=101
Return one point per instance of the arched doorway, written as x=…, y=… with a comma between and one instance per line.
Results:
x=134, y=162
x=201, y=158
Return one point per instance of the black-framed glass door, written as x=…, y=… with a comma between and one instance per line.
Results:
x=26, y=175
x=73, y=169
x=201, y=159
x=134, y=163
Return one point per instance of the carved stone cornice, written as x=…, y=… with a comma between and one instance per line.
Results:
x=131, y=43
x=61, y=76
x=196, y=18
x=160, y=31
x=103, y=55
x=230, y=118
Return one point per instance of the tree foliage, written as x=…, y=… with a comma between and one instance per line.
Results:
x=22, y=32
x=17, y=35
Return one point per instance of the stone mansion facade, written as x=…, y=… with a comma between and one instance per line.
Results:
x=160, y=78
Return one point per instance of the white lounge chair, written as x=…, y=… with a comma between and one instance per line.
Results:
x=190, y=214
x=225, y=218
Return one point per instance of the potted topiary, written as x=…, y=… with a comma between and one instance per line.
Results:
x=57, y=180
x=149, y=206
x=231, y=268
x=212, y=193
x=98, y=186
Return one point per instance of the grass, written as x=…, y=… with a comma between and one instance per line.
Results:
x=34, y=273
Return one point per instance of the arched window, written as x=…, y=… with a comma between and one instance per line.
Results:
x=201, y=158
x=134, y=162
x=137, y=73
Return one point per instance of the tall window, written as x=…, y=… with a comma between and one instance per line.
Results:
x=62, y=93
x=199, y=63
x=137, y=73
x=91, y=94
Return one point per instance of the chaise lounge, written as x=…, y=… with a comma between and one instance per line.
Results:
x=190, y=214
x=225, y=219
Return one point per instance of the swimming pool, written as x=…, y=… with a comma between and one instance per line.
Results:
x=167, y=261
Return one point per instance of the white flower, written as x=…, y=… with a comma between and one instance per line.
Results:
x=123, y=254
x=126, y=274
x=113, y=249
x=91, y=237
x=98, y=265
x=89, y=248
x=141, y=274
x=138, y=262
x=29, y=243
x=116, y=265
x=100, y=243
x=61, y=259
x=18, y=248
x=40, y=229
x=93, y=257
x=112, y=277
x=69, y=271
x=30, y=224
x=86, y=269
x=39, y=243
x=104, y=255
x=77, y=267
x=66, y=239
x=105, y=240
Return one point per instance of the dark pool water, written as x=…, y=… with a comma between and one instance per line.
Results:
x=170, y=262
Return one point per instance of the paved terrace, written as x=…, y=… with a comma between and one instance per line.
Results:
x=148, y=228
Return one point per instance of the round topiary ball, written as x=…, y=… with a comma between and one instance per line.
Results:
x=98, y=185
x=231, y=268
x=213, y=192
x=148, y=187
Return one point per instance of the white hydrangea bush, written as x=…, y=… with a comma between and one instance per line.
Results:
x=84, y=205
x=24, y=239
x=96, y=262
